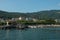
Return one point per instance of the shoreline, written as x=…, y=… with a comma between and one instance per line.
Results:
x=28, y=26
x=44, y=26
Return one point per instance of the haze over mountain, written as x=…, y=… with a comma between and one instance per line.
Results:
x=47, y=14
x=29, y=5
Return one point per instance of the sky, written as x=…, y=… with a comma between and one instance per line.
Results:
x=29, y=5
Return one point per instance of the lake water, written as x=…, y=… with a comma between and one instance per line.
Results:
x=31, y=34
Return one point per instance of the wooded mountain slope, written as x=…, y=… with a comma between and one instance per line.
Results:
x=47, y=14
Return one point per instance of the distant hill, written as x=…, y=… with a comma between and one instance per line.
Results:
x=48, y=14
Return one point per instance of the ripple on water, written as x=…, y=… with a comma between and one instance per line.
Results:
x=31, y=34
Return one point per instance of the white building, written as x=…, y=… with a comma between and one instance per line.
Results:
x=57, y=20
x=34, y=20
x=27, y=19
x=20, y=18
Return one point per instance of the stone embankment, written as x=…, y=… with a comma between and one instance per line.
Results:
x=44, y=26
x=28, y=26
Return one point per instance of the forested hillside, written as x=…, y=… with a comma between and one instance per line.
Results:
x=48, y=14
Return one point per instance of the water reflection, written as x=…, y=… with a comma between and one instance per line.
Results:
x=7, y=35
x=30, y=34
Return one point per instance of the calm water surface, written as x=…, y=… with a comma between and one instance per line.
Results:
x=31, y=34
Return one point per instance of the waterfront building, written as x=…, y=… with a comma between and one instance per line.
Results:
x=2, y=20
x=34, y=20
x=57, y=20
x=27, y=19
x=21, y=18
x=14, y=19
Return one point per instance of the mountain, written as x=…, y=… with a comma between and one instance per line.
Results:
x=47, y=14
